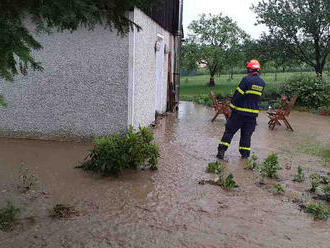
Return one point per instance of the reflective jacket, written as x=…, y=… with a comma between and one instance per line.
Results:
x=247, y=95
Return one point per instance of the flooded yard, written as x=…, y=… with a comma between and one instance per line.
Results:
x=168, y=208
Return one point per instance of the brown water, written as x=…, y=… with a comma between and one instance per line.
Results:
x=168, y=208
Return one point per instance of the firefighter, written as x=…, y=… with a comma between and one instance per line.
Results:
x=245, y=109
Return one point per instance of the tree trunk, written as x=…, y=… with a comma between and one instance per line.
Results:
x=212, y=82
x=231, y=75
x=275, y=76
x=318, y=70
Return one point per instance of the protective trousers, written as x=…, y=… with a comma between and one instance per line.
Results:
x=247, y=125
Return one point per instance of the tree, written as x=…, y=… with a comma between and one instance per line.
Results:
x=303, y=27
x=16, y=42
x=210, y=41
x=274, y=50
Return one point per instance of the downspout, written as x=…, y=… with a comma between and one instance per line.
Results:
x=178, y=42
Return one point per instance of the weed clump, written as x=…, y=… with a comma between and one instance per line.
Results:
x=216, y=167
x=252, y=162
x=271, y=166
x=319, y=210
x=224, y=182
x=27, y=180
x=300, y=176
x=318, y=180
x=111, y=155
x=323, y=192
x=278, y=189
x=228, y=182
x=61, y=211
x=8, y=217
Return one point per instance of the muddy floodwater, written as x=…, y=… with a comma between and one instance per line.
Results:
x=168, y=208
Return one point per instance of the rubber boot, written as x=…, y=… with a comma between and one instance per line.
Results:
x=221, y=153
x=245, y=155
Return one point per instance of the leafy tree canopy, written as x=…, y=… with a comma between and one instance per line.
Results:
x=16, y=42
x=213, y=40
x=301, y=26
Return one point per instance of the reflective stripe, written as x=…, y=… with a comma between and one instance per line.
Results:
x=240, y=90
x=224, y=143
x=253, y=92
x=257, y=87
x=245, y=148
x=244, y=109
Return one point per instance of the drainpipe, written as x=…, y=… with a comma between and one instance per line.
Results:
x=178, y=41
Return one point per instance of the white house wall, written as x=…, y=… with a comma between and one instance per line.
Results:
x=83, y=90
x=143, y=69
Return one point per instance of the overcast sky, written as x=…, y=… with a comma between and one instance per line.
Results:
x=238, y=10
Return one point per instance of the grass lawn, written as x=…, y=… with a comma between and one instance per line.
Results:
x=197, y=85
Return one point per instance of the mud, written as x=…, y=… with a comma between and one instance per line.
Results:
x=168, y=208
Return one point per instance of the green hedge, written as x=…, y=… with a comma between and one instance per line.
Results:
x=312, y=92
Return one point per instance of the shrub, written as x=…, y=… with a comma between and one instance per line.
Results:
x=216, y=167
x=271, y=166
x=300, y=176
x=312, y=92
x=111, y=155
x=278, y=189
x=320, y=211
x=8, y=217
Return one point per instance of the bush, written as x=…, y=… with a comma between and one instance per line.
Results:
x=132, y=150
x=312, y=92
x=8, y=216
x=271, y=166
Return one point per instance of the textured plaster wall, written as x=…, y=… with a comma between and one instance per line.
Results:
x=83, y=90
x=143, y=73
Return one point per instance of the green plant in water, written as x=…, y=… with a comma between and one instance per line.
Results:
x=111, y=155
x=319, y=210
x=300, y=176
x=228, y=182
x=271, y=166
x=8, y=217
x=317, y=180
x=216, y=167
x=323, y=192
x=252, y=162
x=278, y=189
